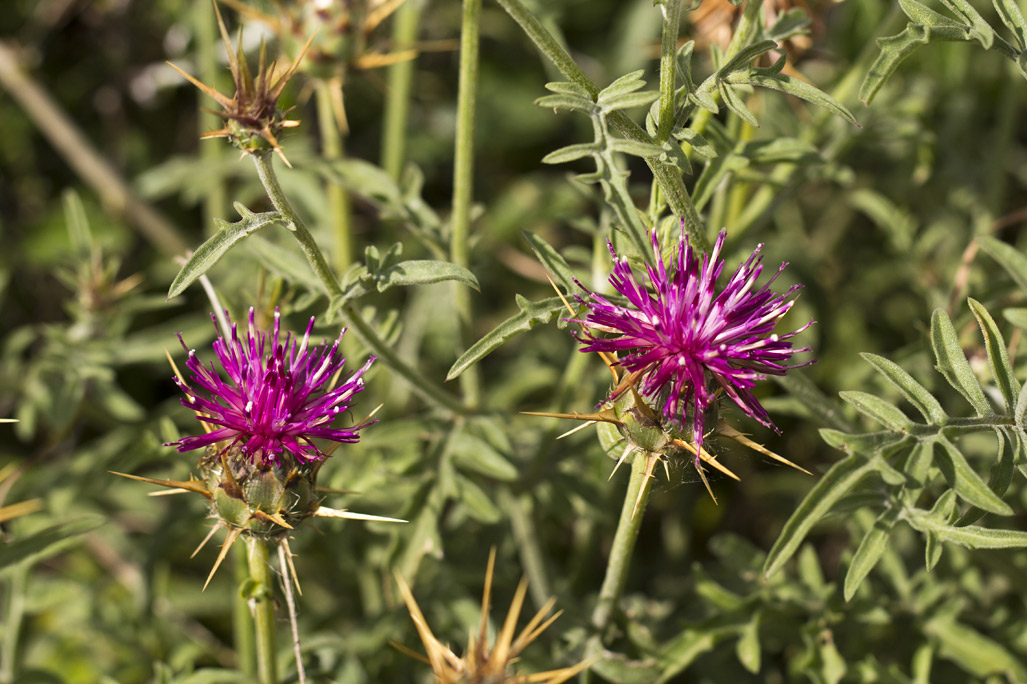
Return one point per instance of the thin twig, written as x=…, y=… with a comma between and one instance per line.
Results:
x=284, y=564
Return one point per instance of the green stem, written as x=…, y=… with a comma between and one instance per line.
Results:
x=350, y=315
x=215, y=200
x=623, y=544
x=338, y=198
x=667, y=175
x=242, y=626
x=463, y=183
x=518, y=509
x=401, y=79
x=668, y=64
x=17, y=579
x=263, y=609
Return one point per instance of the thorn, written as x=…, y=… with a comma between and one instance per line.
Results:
x=269, y=517
x=324, y=512
x=706, y=457
x=576, y=429
x=292, y=568
x=627, y=450
x=189, y=485
x=731, y=433
x=604, y=416
x=702, y=476
x=206, y=539
x=233, y=534
x=650, y=465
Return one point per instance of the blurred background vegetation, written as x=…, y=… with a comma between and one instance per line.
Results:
x=877, y=222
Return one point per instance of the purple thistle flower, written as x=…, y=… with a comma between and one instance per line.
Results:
x=271, y=404
x=678, y=339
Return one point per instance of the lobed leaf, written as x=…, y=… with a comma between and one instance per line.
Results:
x=915, y=393
x=979, y=29
x=211, y=251
x=896, y=48
x=530, y=315
x=424, y=272
x=952, y=362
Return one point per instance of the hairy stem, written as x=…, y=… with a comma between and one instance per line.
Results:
x=263, y=609
x=668, y=64
x=463, y=183
x=623, y=544
x=338, y=199
x=350, y=315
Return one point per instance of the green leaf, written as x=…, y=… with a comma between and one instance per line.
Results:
x=1017, y=316
x=554, y=262
x=1001, y=475
x=998, y=357
x=966, y=482
x=1012, y=17
x=860, y=443
x=970, y=536
x=979, y=29
x=779, y=150
x=570, y=153
x=836, y=482
x=736, y=105
x=285, y=262
x=766, y=78
x=896, y=48
x=697, y=142
x=971, y=650
x=567, y=88
x=952, y=362
x=790, y=23
x=1021, y=409
x=45, y=542
x=530, y=315
x=211, y=251
x=628, y=83
x=638, y=149
x=1008, y=257
x=923, y=15
x=748, y=647
x=915, y=393
x=472, y=453
x=478, y=503
x=878, y=409
x=424, y=272
x=744, y=57
x=572, y=102
x=870, y=550
x=893, y=221
x=628, y=100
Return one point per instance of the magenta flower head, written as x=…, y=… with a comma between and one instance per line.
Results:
x=273, y=402
x=683, y=342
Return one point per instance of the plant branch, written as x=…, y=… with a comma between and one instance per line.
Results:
x=263, y=609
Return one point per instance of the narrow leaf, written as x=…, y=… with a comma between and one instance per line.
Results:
x=966, y=482
x=570, y=153
x=870, y=550
x=628, y=100
x=552, y=260
x=1011, y=16
x=530, y=315
x=638, y=149
x=478, y=503
x=952, y=362
x=915, y=393
x=838, y=481
x=628, y=83
x=736, y=105
x=566, y=102
x=424, y=272
x=567, y=88
x=998, y=357
x=211, y=251
x=765, y=78
x=878, y=409
x=1008, y=257
x=980, y=29
x=697, y=142
x=921, y=14
x=896, y=48
x=974, y=652
x=744, y=57
x=970, y=536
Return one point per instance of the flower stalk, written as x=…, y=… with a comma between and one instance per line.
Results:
x=401, y=79
x=258, y=590
x=463, y=181
x=352, y=318
x=619, y=564
x=332, y=150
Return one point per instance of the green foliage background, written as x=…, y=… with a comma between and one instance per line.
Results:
x=894, y=568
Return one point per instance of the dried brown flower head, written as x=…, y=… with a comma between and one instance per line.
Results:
x=480, y=663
